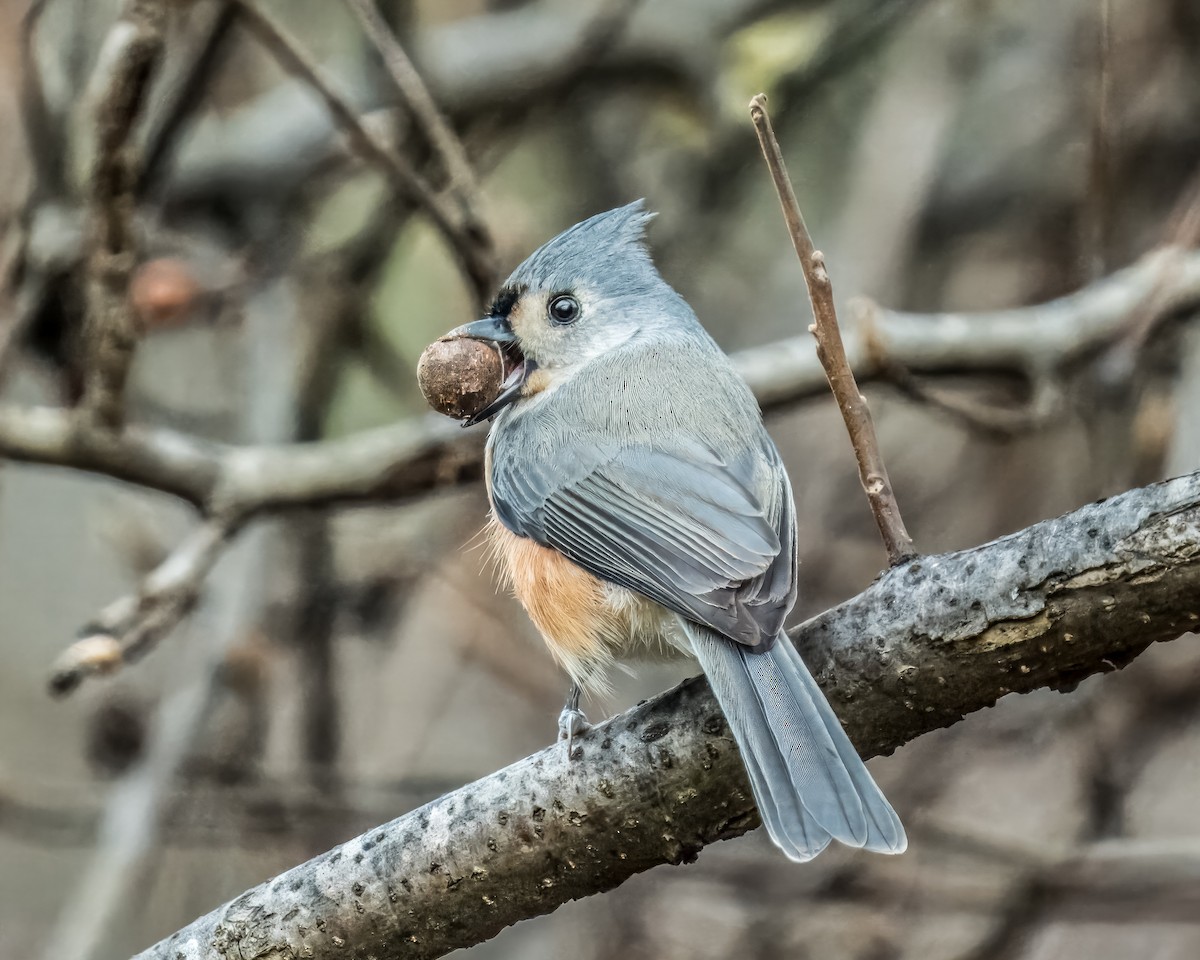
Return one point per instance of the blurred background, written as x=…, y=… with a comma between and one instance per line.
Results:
x=345, y=665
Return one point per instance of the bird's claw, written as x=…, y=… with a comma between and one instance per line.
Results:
x=572, y=723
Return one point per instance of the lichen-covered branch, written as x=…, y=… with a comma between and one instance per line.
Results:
x=926, y=644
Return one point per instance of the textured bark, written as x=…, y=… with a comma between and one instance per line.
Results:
x=927, y=643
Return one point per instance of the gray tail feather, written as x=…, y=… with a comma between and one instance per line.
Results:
x=808, y=780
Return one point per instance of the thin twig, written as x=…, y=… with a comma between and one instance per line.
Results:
x=1182, y=234
x=416, y=97
x=832, y=353
x=135, y=44
x=44, y=147
x=446, y=218
x=991, y=420
x=194, y=82
x=1098, y=204
x=463, y=185
x=127, y=628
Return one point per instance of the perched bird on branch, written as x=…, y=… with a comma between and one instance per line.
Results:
x=639, y=509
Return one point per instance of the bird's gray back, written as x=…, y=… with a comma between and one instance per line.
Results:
x=651, y=468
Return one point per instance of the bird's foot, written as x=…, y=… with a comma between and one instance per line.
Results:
x=572, y=722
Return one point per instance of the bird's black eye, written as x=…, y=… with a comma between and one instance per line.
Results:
x=564, y=309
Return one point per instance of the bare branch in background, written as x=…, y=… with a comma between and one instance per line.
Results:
x=463, y=184
x=832, y=353
x=36, y=121
x=927, y=643
x=989, y=419
x=1181, y=235
x=131, y=54
x=164, y=460
x=187, y=94
x=129, y=627
x=1098, y=206
x=399, y=462
x=1021, y=341
x=1033, y=342
x=410, y=458
x=473, y=258
x=416, y=98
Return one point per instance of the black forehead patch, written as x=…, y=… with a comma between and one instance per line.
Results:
x=505, y=300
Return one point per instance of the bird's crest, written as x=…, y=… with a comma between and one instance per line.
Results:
x=607, y=244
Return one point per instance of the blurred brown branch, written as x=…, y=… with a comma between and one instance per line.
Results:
x=133, y=48
x=462, y=184
x=926, y=644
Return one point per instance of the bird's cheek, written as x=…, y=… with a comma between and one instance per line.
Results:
x=537, y=381
x=524, y=316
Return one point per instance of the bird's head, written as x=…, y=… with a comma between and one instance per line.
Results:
x=586, y=292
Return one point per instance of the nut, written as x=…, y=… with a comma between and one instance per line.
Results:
x=460, y=376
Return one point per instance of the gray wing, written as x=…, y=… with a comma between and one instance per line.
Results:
x=708, y=536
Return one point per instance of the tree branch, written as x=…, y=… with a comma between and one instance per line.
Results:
x=237, y=483
x=133, y=48
x=926, y=644
x=127, y=628
x=413, y=457
x=832, y=353
x=463, y=185
x=420, y=104
x=164, y=460
x=473, y=256
x=180, y=103
x=1030, y=342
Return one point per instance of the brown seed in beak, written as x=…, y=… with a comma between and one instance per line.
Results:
x=460, y=376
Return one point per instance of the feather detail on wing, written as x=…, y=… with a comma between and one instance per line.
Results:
x=685, y=527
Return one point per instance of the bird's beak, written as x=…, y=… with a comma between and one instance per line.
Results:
x=489, y=329
x=517, y=367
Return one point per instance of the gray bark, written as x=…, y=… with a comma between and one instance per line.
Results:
x=926, y=644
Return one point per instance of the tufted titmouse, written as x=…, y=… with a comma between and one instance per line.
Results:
x=639, y=508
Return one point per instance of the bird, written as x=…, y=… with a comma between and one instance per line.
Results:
x=639, y=509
